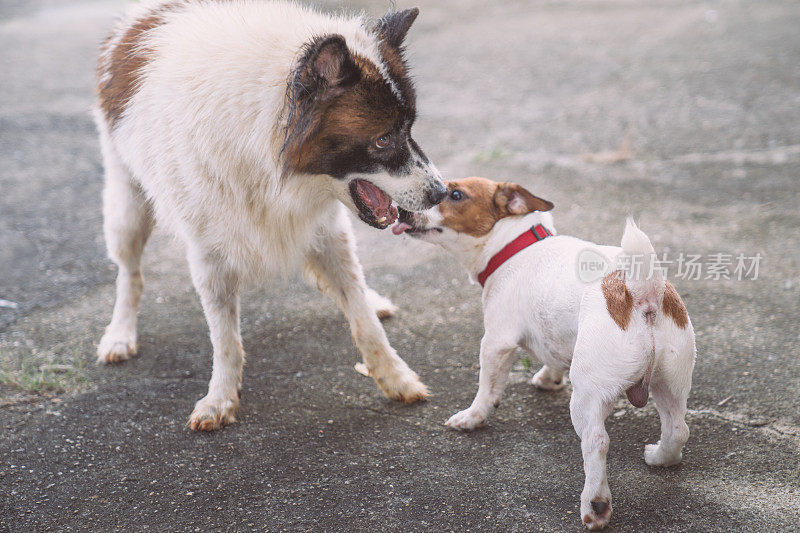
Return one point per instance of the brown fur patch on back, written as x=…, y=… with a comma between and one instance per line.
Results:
x=477, y=213
x=673, y=306
x=619, y=301
x=120, y=65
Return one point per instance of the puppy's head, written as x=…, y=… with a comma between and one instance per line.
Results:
x=471, y=208
x=350, y=111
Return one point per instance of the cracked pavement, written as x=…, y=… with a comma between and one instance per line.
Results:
x=708, y=96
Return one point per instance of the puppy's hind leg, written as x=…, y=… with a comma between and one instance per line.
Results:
x=127, y=223
x=589, y=410
x=333, y=263
x=670, y=389
x=218, y=288
x=496, y=360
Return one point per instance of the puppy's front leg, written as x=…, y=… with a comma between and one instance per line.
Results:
x=333, y=263
x=496, y=359
x=218, y=288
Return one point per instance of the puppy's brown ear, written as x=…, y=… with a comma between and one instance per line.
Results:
x=513, y=199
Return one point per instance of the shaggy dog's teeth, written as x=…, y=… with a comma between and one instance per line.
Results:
x=382, y=220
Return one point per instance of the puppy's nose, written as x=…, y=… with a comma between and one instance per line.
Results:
x=437, y=193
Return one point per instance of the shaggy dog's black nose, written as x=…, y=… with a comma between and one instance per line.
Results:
x=437, y=193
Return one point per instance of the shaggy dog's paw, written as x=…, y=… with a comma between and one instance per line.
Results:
x=212, y=413
x=466, y=420
x=654, y=456
x=596, y=513
x=383, y=306
x=115, y=347
x=403, y=385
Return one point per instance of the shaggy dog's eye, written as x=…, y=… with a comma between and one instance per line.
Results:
x=382, y=141
x=456, y=195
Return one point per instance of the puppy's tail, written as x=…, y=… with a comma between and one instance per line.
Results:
x=634, y=241
x=642, y=273
x=645, y=282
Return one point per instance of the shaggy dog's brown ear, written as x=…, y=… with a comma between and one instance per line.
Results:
x=513, y=199
x=325, y=70
x=393, y=27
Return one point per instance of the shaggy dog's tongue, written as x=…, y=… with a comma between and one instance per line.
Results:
x=375, y=205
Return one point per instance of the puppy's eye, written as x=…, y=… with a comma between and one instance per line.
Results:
x=382, y=141
x=456, y=195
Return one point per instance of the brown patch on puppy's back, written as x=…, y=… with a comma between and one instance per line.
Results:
x=619, y=301
x=120, y=66
x=673, y=307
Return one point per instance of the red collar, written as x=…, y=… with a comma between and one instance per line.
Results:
x=531, y=236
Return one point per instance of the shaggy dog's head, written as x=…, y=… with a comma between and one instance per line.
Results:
x=350, y=111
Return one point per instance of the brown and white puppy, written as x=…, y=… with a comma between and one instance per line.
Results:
x=615, y=330
x=243, y=127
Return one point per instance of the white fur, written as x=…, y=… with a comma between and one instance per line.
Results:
x=198, y=149
x=536, y=301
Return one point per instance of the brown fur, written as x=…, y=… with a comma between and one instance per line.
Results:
x=398, y=71
x=485, y=203
x=123, y=64
x=338, y=105
x=355, y=116
x=394, y=61
x=477, y=213
x=619, y=301
x=673, y=306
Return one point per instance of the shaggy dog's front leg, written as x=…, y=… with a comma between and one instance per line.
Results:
x=333, y=263
x=218, y=288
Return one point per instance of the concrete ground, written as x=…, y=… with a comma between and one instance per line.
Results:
x=708, y=96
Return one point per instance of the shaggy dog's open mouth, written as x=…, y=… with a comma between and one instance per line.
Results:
x=408, y=223
x=374, y=206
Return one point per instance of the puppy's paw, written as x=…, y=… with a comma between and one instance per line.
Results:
x=211, y=413
x=116, y=347
x=544, y=381
x=596, y=513
x=466, y=420
x=383, y=306
x=402, y=385
x=654, y=455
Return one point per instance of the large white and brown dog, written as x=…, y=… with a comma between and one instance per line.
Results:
x=244, y=126
x=625, y=331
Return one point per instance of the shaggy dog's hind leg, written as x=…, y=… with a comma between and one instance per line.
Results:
x=127, y=223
